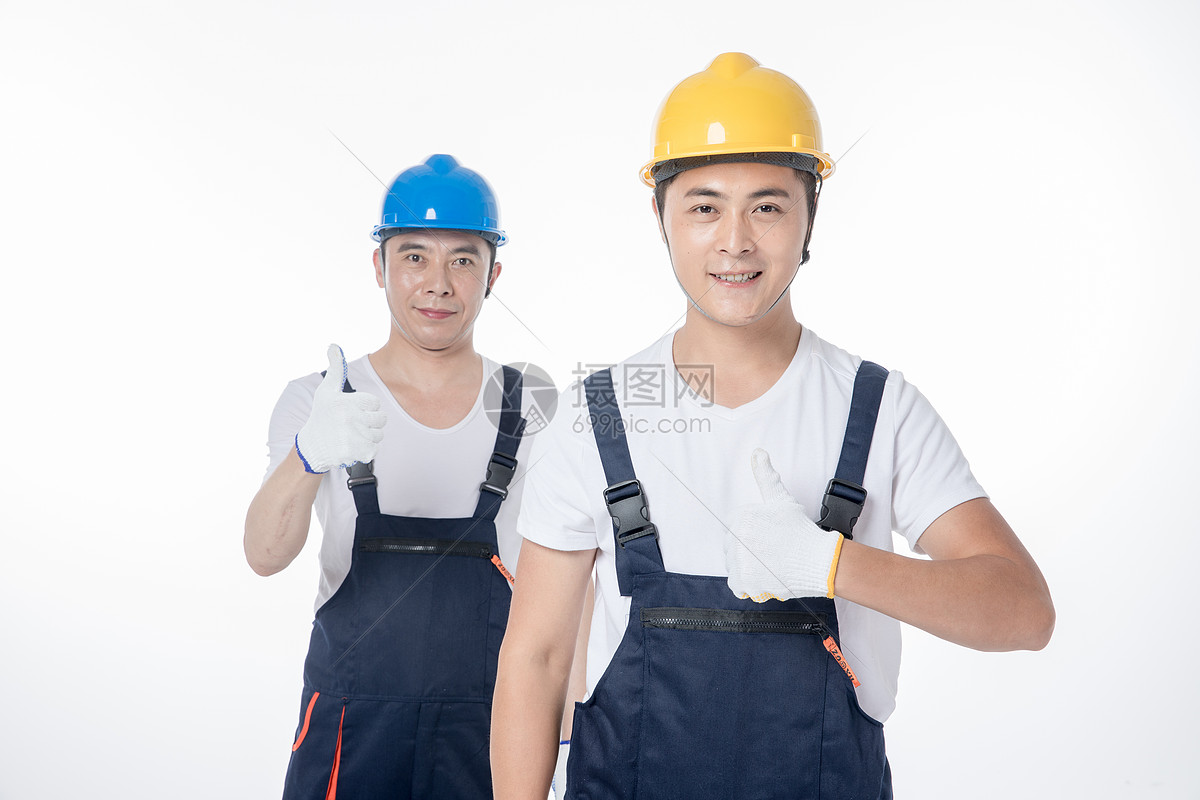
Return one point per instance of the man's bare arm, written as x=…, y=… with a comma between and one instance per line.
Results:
x=342, y=428
x=982, y=589
x=277, y=522
x=535, y=663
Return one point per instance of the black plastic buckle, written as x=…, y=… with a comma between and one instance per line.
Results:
x=839, y=512
x=501, y=469
x=360, y=473
x=629, y=513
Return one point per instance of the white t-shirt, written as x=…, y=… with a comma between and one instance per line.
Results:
x=421, y=471
x=693, y=460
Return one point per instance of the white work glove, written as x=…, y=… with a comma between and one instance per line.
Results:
x=344, y=427
x=775, y=550
x=559, y=785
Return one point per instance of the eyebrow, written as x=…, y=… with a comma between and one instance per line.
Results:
x=769, y=191
x=418, y=245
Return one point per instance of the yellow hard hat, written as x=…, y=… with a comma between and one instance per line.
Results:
x=736, y=106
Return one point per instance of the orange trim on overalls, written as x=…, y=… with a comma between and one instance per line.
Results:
x=307, y=717
x=836, y=652
x=503, y=571
x=331, y=791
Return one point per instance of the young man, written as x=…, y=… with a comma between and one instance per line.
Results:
x=419, y=539
x=742, y=645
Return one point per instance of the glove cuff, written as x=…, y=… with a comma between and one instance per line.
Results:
x=307, y=467
x=810, y=561
x=837, y=553
x=559, y=782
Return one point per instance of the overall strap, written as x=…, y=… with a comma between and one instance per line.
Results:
x=503, y=463
x=845, y=495
x=360, y=476
x=636, y=538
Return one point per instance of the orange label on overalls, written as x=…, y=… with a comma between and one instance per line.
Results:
x=500, y=566
x=832, y=647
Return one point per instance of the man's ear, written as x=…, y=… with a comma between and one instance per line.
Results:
x=496, y=267
x=658, y=218
x=377, y=258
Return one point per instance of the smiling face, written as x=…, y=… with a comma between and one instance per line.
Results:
x=736, y=236
x=435, y=282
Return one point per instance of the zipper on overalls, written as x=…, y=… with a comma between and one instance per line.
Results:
x=436, y=547
x=716, y=619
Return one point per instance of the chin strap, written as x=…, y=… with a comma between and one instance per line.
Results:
x=812, y=216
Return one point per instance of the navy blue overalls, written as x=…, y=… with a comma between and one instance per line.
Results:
x=710, y=695
x=402, y=661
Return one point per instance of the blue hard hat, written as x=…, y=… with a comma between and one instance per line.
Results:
x=440, y=194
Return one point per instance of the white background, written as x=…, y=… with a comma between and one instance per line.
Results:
x=183, y=233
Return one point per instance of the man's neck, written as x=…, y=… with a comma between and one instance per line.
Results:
x=403, y=363
x=744, y=362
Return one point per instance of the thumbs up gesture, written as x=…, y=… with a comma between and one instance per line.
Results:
x=775, y=551
x=344, y=427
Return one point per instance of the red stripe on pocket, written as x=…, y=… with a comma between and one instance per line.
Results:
x=307, y=717
x=331, y=792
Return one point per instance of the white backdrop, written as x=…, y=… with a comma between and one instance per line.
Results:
x=183, y=233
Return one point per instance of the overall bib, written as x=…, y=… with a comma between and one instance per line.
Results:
x=711, y=695
x=402, y=660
